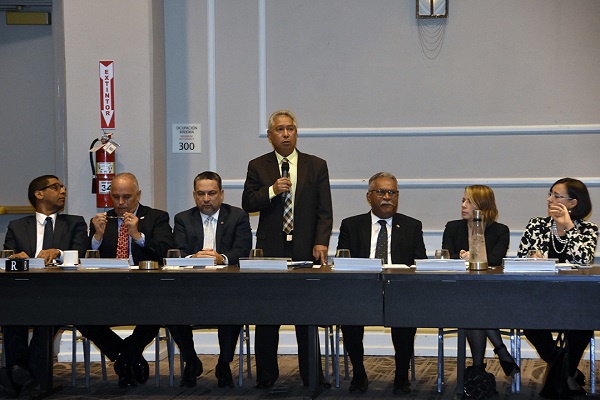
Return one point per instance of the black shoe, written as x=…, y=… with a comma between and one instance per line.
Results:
x=322, y=382
x=359, y=383
x=22, y=377
x=509, y=367
x=579, y=378
x=264, y=384
x=577, y=392
x=124, y=373
x=224, y=378
x=6, y=384
x=401, y=386
x=193, y=369
x=140, y=370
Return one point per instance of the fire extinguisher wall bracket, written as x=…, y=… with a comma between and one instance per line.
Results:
x=93, y=165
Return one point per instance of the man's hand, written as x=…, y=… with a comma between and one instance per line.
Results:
x=131, y=221
x=99, y=223
x=48, y=255
x=210, y=253
x=282, y=185
x=20, y=255
x=320, y=253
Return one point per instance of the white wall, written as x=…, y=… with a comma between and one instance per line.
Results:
x=511, y=101
x=27, y=136
x=132, y=37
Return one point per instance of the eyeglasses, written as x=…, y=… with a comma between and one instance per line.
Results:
x=55, y=186
x=558, y=196
x=383, y=192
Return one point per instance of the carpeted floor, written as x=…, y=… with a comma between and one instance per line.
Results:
x=380, y=370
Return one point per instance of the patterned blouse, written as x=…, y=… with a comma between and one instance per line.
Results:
x=581, y=245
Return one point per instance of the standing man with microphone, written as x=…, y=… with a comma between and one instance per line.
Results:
x=291, y=191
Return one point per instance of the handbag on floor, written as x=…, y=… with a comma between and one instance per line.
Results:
x=479, y=384
x=555, y=378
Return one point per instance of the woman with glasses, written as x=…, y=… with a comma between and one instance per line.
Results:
x=565, y=235
x=497, y=237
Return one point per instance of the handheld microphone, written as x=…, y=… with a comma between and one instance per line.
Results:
x=285, y=173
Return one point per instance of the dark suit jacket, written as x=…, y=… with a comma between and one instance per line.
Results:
x=407, y=238
x=155, y=227
x=497, y=238
x=313, y=212
x=70, y=233
x=233, y=235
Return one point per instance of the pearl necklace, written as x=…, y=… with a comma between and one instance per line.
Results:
x=555, y=237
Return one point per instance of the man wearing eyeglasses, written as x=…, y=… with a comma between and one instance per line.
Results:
x=43, y=235
x=211, y=229
x=396, y=239
x=291, y=191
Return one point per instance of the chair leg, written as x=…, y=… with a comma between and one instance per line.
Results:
x=326, y=372
x=413, y=372
x=440, y=366
x=103, y=363
x=248, y=361
x=157, y=360
x=74, y=357
x=518, y=358
x=86, y=362
x=593, y=365
x=335, y=368
x=337, y=356
x=241, y=358
x=171, y=356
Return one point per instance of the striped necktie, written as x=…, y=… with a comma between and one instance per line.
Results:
x=209, y=233
x=288, y=215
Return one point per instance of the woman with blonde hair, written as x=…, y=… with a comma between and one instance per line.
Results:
x=497, y=237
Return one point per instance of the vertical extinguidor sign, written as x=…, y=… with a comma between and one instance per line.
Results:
x=107, y=95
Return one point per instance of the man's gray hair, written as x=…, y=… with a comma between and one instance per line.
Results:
x=381, y=175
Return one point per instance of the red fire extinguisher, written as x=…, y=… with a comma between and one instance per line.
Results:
x=103, y=169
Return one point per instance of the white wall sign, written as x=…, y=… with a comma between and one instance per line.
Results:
x=186, y=138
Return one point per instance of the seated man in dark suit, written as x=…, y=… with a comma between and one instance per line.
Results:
x=138, y=233
x=397, y=239
x=43, y=235
x=221, y=231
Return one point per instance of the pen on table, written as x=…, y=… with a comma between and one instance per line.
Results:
x=112, y=216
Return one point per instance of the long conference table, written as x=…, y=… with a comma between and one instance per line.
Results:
x=304, y=296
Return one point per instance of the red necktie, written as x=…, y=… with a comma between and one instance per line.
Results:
x=123, y=242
